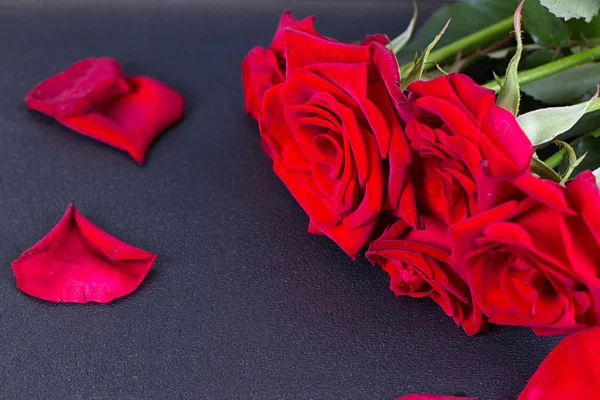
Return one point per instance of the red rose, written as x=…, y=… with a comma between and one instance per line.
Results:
x=331, y=129
x=532, y=259
x=453, y=125
x=417, y=261
x=263, y=68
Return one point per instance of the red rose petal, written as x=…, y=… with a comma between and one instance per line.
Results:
x=375, y=38
x=77, y=262
x=305, y=49
x=506, y=141
x=314, y=230
x=87, y=101
x=433, y=397
x=571, y=370
x=260, y=72
x=79, y=88
x=584, y=194
x=418, y=262
x=287, y=21
x=132, y=122
x=264, y=68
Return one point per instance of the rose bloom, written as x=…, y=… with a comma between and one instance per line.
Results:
x=532, y=257
x=263, y=68
x=335, y=138
x=417, y=261
x=453, y=126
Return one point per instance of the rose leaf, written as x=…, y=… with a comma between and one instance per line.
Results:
x=552, y=89
x=543, y=26
x=586, y=9
x=545, y=124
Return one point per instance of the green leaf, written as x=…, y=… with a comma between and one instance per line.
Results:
x=468, y=16
x=597, y=175
x=581, y=30
x=590, y=145
x=401, y=40
x=542, y=170
x=544, y=27
x=588, y=123
x=567, y=9
x=545, y=124
x=509, y=95
x=417, y=71
x=569, y=86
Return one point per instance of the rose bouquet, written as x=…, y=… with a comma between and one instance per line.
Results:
x=441, y=179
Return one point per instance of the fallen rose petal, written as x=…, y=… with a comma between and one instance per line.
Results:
x=77, y=263
x=80, y=87
x=128, y=120
x=433, y=397
x=132, y=122
x=571, y=370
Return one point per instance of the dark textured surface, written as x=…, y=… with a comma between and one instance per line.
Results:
x=242, y=303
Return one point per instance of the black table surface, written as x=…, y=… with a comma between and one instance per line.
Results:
x=242, y=302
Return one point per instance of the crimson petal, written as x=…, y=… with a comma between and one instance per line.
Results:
x=77, y=263
x=571, y=370
x=433, y=397
x=79, y=88
x=132, y=122
x=129, y=120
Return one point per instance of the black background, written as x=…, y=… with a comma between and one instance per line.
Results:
x=242, y=302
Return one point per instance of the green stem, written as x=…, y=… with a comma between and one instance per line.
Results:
x=554, y=160
x=553, y=67
x=482, y=37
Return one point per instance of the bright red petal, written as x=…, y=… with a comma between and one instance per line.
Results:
x=571, y=370
x=314, y=230
x=433, y=397
x=89, y=99
x=260, y=72
x=77, y=262
x=79, y=88
x=305, y=49
x=132, y=122
x=287, y=21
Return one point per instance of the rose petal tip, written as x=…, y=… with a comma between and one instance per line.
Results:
x=76, y=262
